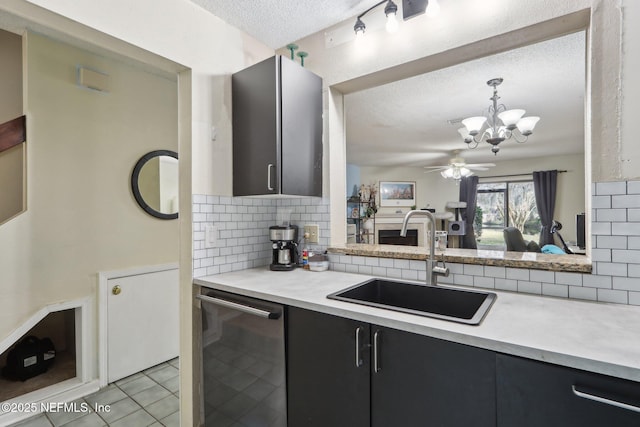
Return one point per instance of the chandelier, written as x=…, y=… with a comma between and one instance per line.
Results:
x=501, y=124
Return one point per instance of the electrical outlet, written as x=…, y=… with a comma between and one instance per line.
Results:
x=210, y=235
x=312, y=231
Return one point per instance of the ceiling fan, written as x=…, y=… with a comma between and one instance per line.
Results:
x=458, y=168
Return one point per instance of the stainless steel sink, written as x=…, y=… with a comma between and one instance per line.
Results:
x=463, y=306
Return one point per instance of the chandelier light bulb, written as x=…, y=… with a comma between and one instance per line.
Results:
x=433, y=8
x=474, y=124
x=392, y=23
x=510, y=118
x=526, y=124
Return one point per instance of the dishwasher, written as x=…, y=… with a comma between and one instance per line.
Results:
x=243, y=361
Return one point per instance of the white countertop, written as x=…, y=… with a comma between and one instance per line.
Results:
x=597, y=337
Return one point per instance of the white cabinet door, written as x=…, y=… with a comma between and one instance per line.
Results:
x=142, y=322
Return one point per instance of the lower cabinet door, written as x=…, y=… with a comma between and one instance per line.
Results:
x=421, y=381
x=327, y=370
x=534, y=394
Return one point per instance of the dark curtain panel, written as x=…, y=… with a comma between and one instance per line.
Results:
x=544, y=184
x=468, y=193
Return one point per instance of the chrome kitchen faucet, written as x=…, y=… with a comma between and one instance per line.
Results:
x=432, y=268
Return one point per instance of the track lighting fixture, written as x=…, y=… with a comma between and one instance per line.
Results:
x=390, y=10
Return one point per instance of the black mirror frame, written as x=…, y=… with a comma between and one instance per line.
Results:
x=136, y=189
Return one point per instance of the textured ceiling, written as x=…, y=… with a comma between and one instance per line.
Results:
x=405, y=123
x=279, y=22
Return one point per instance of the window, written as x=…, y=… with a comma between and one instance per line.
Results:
x=505, y=204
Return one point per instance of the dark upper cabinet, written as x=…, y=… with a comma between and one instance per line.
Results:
x=277, y=130
x=534, y=394
x=342, y=372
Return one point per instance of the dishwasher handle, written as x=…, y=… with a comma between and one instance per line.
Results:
x=260, y=312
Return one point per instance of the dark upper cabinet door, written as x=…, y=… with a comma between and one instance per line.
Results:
x=277, y=129
x=301, y=130
x=534, y=394
x=325, y=388
x=421, y=381
x=256, y=130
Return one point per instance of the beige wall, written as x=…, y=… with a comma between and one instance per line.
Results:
x=83, y=144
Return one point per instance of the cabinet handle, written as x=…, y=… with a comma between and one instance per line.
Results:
x=240, y=307
x=376, y=351
x=604, y=400
x=358, y=358
x=269, y=187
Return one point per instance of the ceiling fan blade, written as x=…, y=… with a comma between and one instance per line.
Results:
x=480, y=165
x=436, y=167
x=434, y=170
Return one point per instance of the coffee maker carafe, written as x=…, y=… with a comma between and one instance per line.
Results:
x=284, y=239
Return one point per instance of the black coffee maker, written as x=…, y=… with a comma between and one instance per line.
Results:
x=284, y=239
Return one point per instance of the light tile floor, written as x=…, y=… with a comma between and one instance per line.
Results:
x=148, y=398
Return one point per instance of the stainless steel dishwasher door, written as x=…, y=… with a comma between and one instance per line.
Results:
x=243, y=357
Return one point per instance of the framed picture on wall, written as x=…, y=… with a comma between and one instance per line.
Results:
x=397, y=193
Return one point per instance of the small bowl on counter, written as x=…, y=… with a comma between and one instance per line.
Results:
x=318, y=263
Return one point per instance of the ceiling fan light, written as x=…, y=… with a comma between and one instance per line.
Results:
x=447, y=173
x=474, y=124
x=465, y=172
x=526, y=125
x=510, y=118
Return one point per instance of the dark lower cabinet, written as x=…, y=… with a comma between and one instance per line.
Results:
x=325, y=388
x=347, y=373
x=420, y=381
x=534, y=394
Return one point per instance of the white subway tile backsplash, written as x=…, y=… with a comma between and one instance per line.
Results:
x=633, y=215
x=492, y=271
x=596, y=281
x=610, y=242
x=628, y=256
x=625, y=229
x=601, y=202
x=517, y=273
x=603, y=255
x=633, y=187
x=626, y=283
x=530, y=287
x=573, y=279
x=484, y=282
x=633, y=270
x=506, y=285
x=606, y=188
x=610, y=295
x=611, y=215
x=542, y=276
x=601, y=229
x=553, y=290
x=473, y=270
x=611, y=269
x=615, y=255
x=626, y=201
x=410, y=274
x=577, y=292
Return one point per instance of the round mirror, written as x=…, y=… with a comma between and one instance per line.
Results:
x=154, y=183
